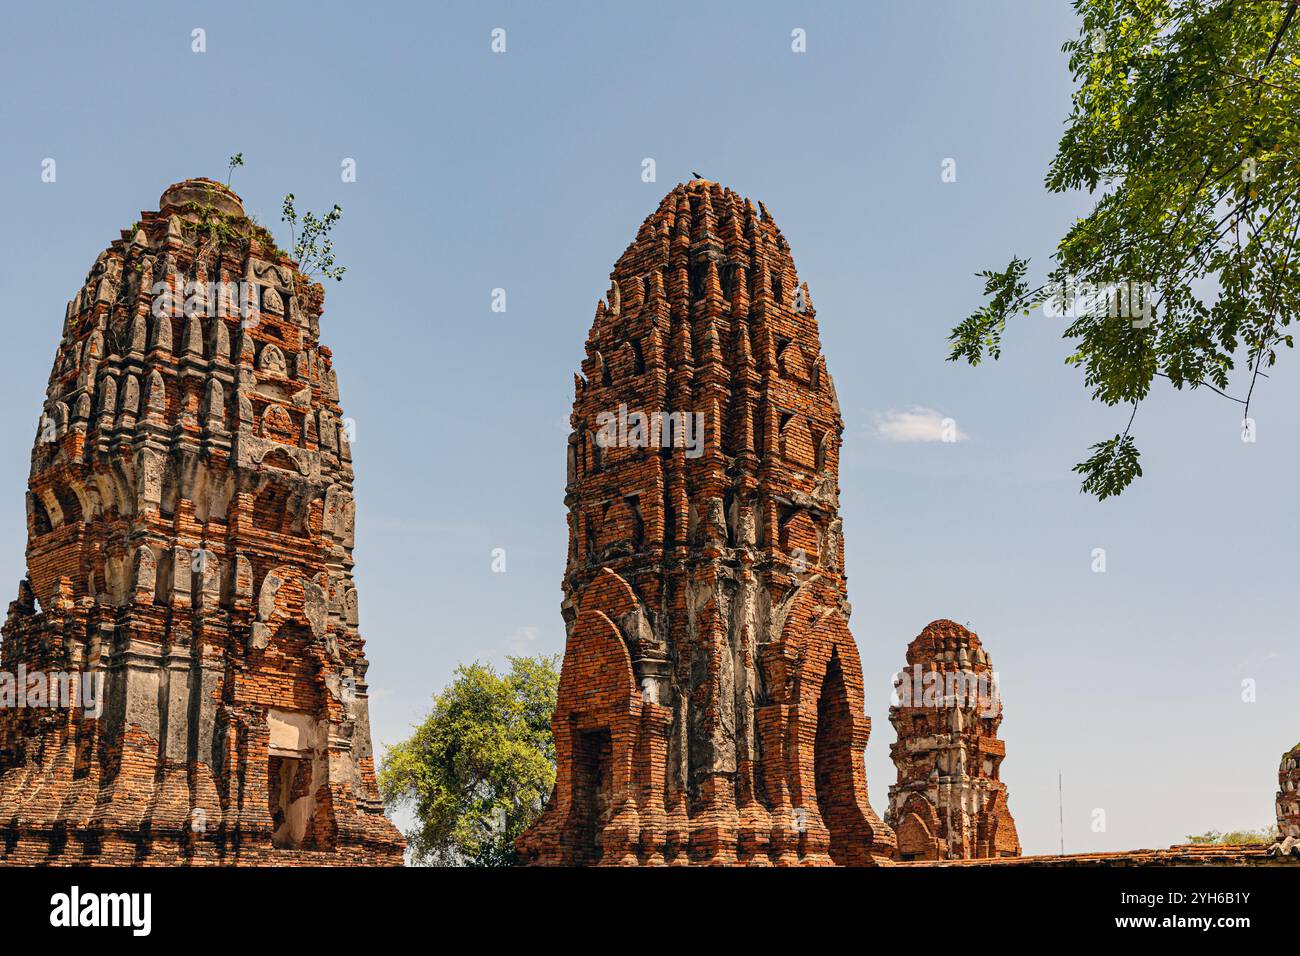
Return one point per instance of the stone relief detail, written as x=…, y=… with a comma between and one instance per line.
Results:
x=214, y=404
x=131, y=396
x=271, y=361
x=272, y=304
x=146, y=575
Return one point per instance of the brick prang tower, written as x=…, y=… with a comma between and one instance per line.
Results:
x=1288, y=804
x=948, y=802
x=190, y=532
x=711, y=705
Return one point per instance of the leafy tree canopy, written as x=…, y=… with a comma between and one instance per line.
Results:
x=312, y=245
x=235, y=162
x=479, y=768
x=1236, y=837
x=1184, y=126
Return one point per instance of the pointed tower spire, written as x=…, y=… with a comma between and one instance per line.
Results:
x=676, y=549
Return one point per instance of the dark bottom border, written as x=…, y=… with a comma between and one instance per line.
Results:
x=531, y=907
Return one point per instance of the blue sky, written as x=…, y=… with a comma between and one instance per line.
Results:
x=522, y=171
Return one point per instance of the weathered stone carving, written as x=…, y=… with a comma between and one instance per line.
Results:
x=131, y=396
x=221, y=340
x=271, y=360
x=193, y=345
x=107, y=402
x=214, y=404
x=162, y=334
x=314, y=606
x=157, y=397
x=272, y=303
x=138, y=334
x=146, y=572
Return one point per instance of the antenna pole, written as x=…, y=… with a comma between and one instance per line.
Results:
x=1060, y=810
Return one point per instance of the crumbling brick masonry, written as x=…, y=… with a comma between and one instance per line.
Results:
x=190, y=531
x=1288, y=804
x=948, y=802
x=710, y=706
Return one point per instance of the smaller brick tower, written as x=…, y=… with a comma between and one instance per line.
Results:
x=948, y=803
x=1288, y=803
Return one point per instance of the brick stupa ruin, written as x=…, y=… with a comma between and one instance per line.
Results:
x=710, y=707
x=190, y=533
x=1288, y=805
x=949, y=802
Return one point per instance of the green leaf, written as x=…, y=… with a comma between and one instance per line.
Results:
x=1183, y=128
x=1112, y=467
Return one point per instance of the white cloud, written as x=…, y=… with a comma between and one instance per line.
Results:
x=522, y=641
x=917, y=424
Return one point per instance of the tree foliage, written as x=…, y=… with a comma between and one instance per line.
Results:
x=479, y=768
x=312, y=246
x=1184, y=127
x=235, y=162
x=1237, y=837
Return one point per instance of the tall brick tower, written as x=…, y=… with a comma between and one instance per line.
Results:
x=711, y=703
x=948, y=803
x=190, y=530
